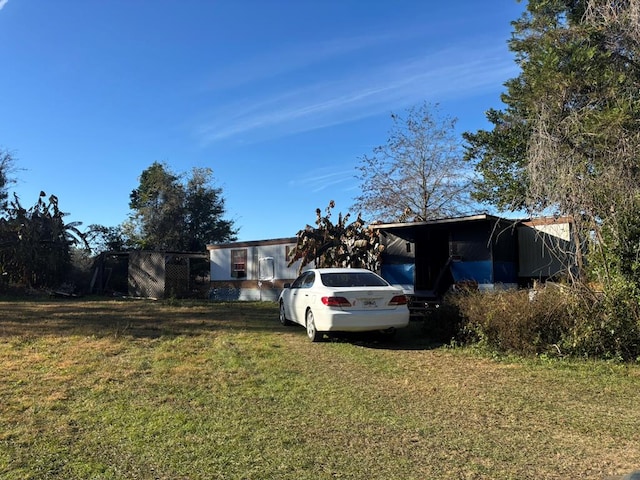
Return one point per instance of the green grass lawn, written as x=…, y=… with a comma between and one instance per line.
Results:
x=152, y=390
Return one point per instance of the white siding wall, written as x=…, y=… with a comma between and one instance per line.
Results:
x=278, y=253
x=226, y=287
x=221, y=262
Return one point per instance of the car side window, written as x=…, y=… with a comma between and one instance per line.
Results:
x=307, y=282
x=304, y=281
x=298, y=282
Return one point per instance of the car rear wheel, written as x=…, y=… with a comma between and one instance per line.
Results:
x=313, y=334
x=283, y=316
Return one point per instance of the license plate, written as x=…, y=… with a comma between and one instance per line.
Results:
x=369, y=303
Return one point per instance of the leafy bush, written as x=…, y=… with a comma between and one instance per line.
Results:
x=608, y=327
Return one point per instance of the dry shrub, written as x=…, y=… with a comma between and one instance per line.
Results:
x=443, y=323
x=517, y=321
x=553, y=319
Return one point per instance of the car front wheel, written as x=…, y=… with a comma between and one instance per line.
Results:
x=283, y=316
x=312, y=332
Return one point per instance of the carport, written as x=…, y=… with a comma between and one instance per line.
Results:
x=428, y=258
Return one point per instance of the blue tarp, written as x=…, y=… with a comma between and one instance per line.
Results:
x=479, y=271
x=398, y=274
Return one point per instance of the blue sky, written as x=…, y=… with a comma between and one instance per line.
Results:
x=279, y=97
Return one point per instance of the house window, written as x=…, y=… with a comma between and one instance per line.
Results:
x=289, y=252
x=239, y=263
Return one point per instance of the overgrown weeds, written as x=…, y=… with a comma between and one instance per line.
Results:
x=553, y=319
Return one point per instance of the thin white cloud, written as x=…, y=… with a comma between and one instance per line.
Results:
x=3, y=3
x=318, y=180
x=455, y=72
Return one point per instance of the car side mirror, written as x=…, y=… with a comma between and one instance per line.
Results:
x=287, y=285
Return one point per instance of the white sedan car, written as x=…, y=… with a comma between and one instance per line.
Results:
x=342, y=300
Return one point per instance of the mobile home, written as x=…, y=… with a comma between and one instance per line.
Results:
x=426, y=258
x=253, y=270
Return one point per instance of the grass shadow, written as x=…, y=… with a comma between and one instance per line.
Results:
x=132, y=318
x=412, y=337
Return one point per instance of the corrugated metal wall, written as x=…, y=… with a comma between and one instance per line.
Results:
x=545, y=250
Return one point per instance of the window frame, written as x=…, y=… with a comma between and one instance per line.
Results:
x=238, y=258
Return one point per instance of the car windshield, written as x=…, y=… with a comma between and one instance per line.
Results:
x=352, y=279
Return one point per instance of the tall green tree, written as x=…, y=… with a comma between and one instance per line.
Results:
x=172, y=214
x=419, y=174
x=567, y=141
x=158, y=205
x=205, y=209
